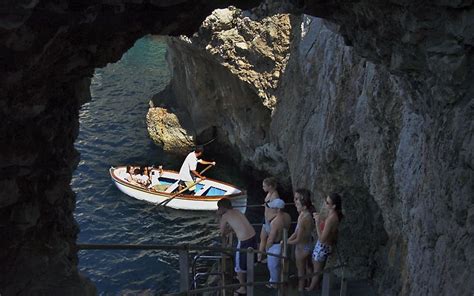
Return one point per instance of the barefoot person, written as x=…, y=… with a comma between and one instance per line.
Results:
x=245, y=235
x=269, y=185
x=302, y=237
x=326, y=237
x=189, y=166
x=281, y=221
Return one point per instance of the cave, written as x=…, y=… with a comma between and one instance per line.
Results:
x=408, y=164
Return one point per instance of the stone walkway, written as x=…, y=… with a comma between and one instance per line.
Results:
x=354, y=287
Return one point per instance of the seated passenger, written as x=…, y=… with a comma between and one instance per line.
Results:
x=130, y=176
x=139, y=177
x=155, y=183
x=127, y=176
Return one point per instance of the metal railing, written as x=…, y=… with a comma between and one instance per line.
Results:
x=184, y=252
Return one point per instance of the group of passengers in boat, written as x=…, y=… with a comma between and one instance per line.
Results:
x=148, y=177
x=314, y=236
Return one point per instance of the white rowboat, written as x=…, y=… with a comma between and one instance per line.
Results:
x=205, y=198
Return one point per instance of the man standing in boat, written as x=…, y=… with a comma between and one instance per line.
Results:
x=189, y=166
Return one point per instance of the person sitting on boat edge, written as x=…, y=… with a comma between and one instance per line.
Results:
x=155, y=175
x=245, y=233
x=130, y=175
x=189, y=166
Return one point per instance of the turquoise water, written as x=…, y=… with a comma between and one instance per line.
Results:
x=113, y=132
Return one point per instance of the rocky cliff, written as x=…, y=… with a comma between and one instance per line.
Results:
x=49, y=52
x=337, y=121
x=230, y=83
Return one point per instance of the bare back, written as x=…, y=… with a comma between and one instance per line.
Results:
x=239, y=224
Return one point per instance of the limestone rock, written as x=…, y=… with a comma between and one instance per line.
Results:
x=164, y=128
x=340, y=122
x=254, y=50
x=227, y=74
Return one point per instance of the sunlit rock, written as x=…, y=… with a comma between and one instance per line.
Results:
x=165, y=129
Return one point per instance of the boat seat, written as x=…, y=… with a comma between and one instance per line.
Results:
x=172, y=187
x=204, y=189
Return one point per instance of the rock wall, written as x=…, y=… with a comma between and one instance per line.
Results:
x=429, y=42
x=230, y=83
x=341, y=122
x=359, y=131
x=49, y=52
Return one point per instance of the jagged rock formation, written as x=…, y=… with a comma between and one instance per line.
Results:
x=430, y=42
x=209, y=87
x=166, y=130
x=341, y=122
x=49, y=52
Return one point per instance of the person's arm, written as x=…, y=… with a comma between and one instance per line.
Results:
x=295, y=238
x=202, y=161
x=222, y=225
x=292, y=238
x=198, y=174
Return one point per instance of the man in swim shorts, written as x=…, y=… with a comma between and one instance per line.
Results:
x=245, y=234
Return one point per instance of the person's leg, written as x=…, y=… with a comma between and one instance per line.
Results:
x=262, y=245
x=316, y=279
x=241, y=278
x=273, y=263
x=239, y=269
x=320, y=255
x=300, y=257
x=308, y=267
x=191, y=188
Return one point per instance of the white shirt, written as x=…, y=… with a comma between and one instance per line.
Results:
x=155, y=178
x=189, y=164
x=142, y=179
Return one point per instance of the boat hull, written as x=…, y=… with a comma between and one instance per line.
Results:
x=180, y=202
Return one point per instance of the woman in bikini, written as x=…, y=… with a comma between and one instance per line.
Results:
x=302, y=237
x=269, y=185
x=326, y=236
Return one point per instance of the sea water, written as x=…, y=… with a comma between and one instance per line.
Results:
x=113, y=132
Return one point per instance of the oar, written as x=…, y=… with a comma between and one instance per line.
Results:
x=166, y=201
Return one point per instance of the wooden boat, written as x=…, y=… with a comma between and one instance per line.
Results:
x=205, y=197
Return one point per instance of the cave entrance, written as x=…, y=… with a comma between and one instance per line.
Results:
x=113, y=132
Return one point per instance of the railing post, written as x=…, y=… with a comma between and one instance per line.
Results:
x=223, y=267
x=283, y=289
x=327, y=282
x=250, y=271
x=343, y=291
x=184, y=269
